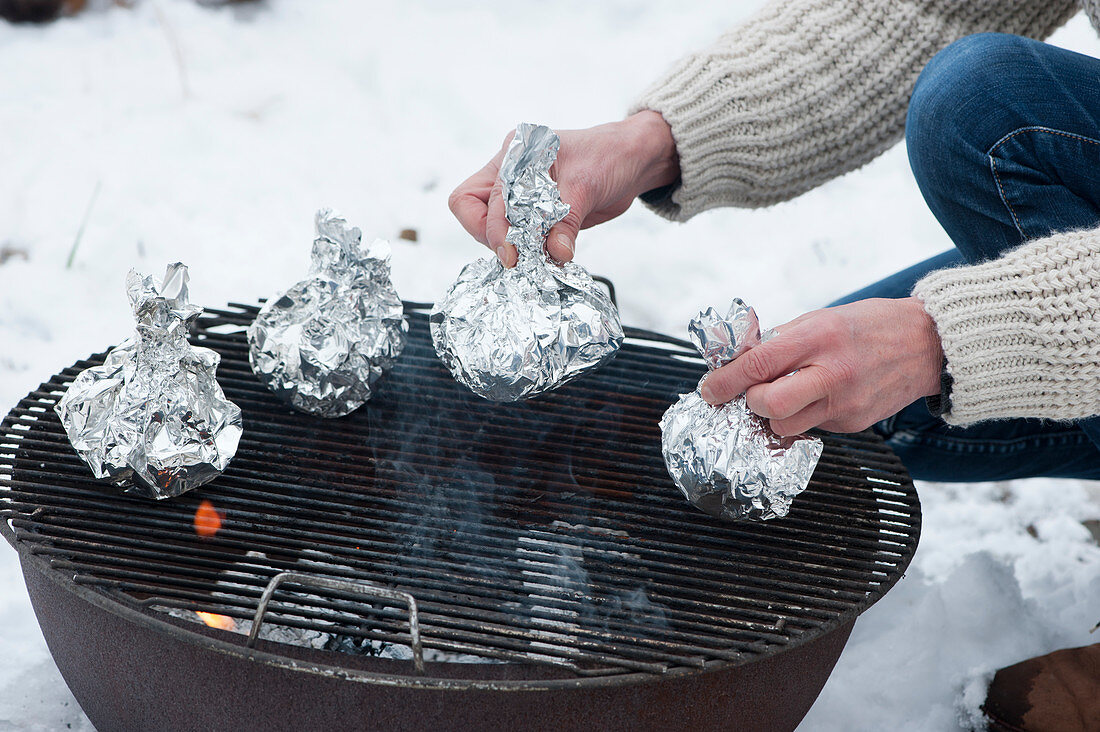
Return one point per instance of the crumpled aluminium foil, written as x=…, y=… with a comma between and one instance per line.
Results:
x=726, y=460
x=153, y=417
x=509, y=334
x=323, y=344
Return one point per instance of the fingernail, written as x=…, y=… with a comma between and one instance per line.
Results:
x=565, y=242
x=501, y=251
x=706, y=393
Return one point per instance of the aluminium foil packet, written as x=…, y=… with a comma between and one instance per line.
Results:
x=511, y=334
x=153, y=417
x=323, y=344
x=726, y=460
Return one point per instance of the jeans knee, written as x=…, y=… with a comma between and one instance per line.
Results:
x=955, y=95
x=969, y=72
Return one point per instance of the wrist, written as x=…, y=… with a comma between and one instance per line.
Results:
x=650, y=143
x=926, y=341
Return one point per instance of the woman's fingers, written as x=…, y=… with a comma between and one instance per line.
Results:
x=779, y=356
x=474, y=206
x=793, y=403
x=840, y=369
x=496, y=228
x=600, y=171
x=812, y=416
x=478, y=204
x=561, y=240
x=469, y=204
x=788, y=394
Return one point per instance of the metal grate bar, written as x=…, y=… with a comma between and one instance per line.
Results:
x=569, y=547
x=831, y=503
x=480, y=538
x=304, y=495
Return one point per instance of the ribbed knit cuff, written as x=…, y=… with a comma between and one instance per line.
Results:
x=686, y=97
x=1020, y=333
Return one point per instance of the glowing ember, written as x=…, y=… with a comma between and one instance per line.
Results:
x=208, y=520
x=217, y=621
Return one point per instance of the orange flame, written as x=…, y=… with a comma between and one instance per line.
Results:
x=217, y=621
x=208, y=520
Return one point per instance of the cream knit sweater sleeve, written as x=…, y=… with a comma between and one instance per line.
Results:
x=809, y=89
x=1022, y=333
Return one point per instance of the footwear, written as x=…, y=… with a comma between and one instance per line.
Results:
x=1058, y=692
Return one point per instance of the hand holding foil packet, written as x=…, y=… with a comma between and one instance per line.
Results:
x=726, y=460
x=153, y=417
x=323, y=344
x=510, y=334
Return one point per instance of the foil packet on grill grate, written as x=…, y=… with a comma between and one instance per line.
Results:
x=726, y=460
x=323, y=344
x=153, y=417
x=510, y=334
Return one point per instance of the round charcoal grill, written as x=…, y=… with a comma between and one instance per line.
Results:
x=435, y=561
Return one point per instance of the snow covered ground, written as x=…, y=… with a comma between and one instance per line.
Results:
x=173, y=132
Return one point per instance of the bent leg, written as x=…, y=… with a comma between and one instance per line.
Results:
x=1001, y=135
x=1002, y=138
x=1003, y=449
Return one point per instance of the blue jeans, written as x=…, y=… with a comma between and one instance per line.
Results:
x=1003, y=135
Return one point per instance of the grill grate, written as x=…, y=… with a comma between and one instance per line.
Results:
x=545, y=532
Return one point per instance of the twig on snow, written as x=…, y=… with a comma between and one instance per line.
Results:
x=83, y=224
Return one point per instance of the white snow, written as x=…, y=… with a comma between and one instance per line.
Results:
x=211, y=135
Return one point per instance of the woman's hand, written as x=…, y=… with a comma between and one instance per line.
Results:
x=841, y=369
x=599, y=172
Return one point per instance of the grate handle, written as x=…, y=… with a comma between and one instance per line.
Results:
x=369, y=589
x=610, y=288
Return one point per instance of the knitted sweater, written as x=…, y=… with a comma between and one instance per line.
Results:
x=809, y=89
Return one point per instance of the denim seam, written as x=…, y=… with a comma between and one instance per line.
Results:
x=1005, y=139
